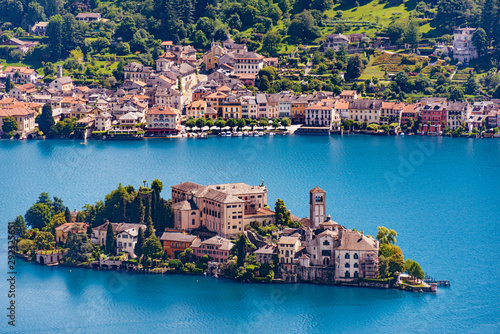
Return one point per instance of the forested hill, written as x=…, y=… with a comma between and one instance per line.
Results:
x=143, y=24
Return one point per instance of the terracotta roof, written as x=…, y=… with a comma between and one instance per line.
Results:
x=177, y=236
x=166, y=43
x=26, y=87
x=288, y=240
x=353, y=240
x=187, y=186
x=66, y=227
x=317, y=190
x=185, y=205
x=164, y=110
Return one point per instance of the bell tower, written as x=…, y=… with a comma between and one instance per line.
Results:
x=317, y=207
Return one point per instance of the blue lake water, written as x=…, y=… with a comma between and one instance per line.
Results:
x=440, y=194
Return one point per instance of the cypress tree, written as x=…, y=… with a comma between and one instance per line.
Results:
x=150, y=228
x=67, y=215
x=110, y=239
x=46, y=119
x=140, y=243
x=89, y=230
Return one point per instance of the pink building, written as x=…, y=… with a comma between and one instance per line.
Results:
x=217, y=248
x=433, y=118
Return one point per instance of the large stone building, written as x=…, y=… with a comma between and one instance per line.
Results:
x=463, y=48
x=220, y=207
x=325, y=250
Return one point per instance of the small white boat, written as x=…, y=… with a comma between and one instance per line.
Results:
x=222, y=134
x=245, y=133
x=228, y=134
x=235, y=134
x=261, y=134
x=402, y=134
x=271, y=133
x=240, y=134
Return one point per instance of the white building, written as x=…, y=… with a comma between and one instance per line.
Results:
x=248, y=107
x=463, y=48
x=103, y=121
x=336, y=41
x=248, y=63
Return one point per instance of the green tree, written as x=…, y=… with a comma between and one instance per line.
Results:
x=190, y=123
x=110, y=239
x=44, y=241
x=457, y=93
x=200, y=122
x=413, y=269
x=8, y=85
x=264, y=84
x=322, y=5
x=140, y=243
x=355, y=67
x=471, y=86
x=269, y=72
x=240, y=123
x=26, y=245
x=283, y=216
x=386, y=236
x=55, y=36
x=285, y=121
x=303, y=27
x=38, y=216
x=200, y=40
x=56, y=221
x=67, y=214
x=263, y=122
x=241, y=250
x=412, y=33
x=126, y=29
x=231, y=123
x=46, y=120
x=480, y=41
x=275, y=123
x=19, y=227
x=79, y=247
x=271, y=42
x=149, y=228
x=383, y=266
x=9, y=124
x=488, y=17
x=220, y=123
x=152, y=248
x=123, y=49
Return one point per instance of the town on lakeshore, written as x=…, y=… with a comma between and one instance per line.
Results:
x=221, y=230
x=82, y=71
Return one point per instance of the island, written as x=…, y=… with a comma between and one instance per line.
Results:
x=221, y=230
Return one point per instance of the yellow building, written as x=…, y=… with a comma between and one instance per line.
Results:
x=63, y=231
x=211, y=57
x=231, y=110
x=298, y=109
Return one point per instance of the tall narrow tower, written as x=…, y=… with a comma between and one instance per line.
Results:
x=59, y=71
x=317, y=206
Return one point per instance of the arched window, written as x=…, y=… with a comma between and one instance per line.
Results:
x=356, y=265
x=347, y=265
x=326, y=243
x=356, y=275
x=347, y=255
x=347, y=274
x=326, y=261
x=356, y=255
x=193, y=221
x=193, y=213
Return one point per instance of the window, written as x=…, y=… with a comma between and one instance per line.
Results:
x=347, y=265
x=356, y=275
x=356, y=265
x=356, y=256
x=326, y=243
x=192, y=222
x=347, y=274
x=347, y=256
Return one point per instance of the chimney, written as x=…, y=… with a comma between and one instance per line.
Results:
x=59, y=71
